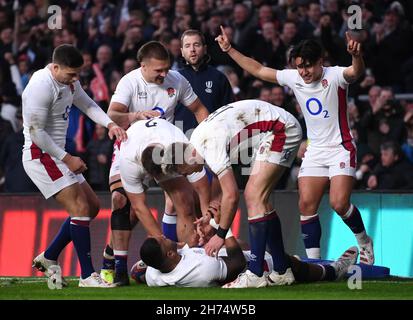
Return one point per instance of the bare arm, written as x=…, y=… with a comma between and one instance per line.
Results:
x=199, y=110
x=246, y=63
x=140, y=208
x=356, y=70
x=235, y=259
x=203, y=190
x=229, y=204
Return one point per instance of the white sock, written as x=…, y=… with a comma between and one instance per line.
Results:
x=313, y=253
x=362, y=237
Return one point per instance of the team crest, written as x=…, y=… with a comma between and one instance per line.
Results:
x=342, y=165
x=171, y=92
x=208, y=85
x=324, y=83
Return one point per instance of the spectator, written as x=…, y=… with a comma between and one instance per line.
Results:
x=269, y=49
x=407, y=146
x=16, y=179
x=265, y=94
x=289, y=35
x=312, y=19
x=129, y=65
x=132, y=41
x=201, y=14
x=244, y=28
x=393, y=172
x=390, y=41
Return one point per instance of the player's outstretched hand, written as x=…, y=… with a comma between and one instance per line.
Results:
x=213, y=246
x=353, y=46
x=116, y=131
x=223, y=40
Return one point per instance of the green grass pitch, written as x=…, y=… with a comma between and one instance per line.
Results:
x=34, y=288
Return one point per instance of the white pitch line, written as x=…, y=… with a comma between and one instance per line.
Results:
x=29, y=280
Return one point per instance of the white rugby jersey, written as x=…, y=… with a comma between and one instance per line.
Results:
x=141, y=134
x=235, y=127
x=46, y=106
x=324, y=106
x=137, y=94
x=196, y=269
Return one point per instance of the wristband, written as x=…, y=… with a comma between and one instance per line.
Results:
x=216, y=226
x=222, y=232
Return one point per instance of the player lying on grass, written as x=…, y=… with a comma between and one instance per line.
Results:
x=172, y=265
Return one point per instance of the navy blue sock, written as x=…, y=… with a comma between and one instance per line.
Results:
x=258, y=239
x=169, y=227
x=79, y=229
x=311, y=232
x=276, y=244
x=353, y=220
x=59, y=242
x=330, y=273
x=121, y=261
x=108, y=259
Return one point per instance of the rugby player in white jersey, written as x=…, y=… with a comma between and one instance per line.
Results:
x=223, y=138
x=140, y=161
x=331, y=154
x=167, y=263
x=47, y=100
x=149, y=91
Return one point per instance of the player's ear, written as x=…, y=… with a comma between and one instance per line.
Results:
x=170, y=254
x=55, y=67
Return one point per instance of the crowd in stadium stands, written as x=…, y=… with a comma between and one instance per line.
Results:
x=109, y=33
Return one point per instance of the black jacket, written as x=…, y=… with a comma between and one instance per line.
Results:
x=212, y=88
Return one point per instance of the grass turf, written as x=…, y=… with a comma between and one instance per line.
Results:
x=35, y=288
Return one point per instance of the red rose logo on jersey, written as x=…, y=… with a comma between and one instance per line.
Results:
x=171, y=92
x=342, y=165
x=324, y=83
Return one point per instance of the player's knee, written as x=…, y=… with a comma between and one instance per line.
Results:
x=120, y=218
x=340, y=206
x=82, y=208
x=94, y=207
x=119, y=200
x=253, y=199
x=306, y=206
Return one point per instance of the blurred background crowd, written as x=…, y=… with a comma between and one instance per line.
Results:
x=109, y=33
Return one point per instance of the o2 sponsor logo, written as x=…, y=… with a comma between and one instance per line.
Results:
x=314, y=107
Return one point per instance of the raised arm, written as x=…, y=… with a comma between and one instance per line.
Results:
x=246, y=63
x=356, y=70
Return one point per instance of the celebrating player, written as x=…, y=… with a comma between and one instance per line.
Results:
x=331, y=154
x=149, y=91
x=274, y=135
x=140, y=160
x=47, y=100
